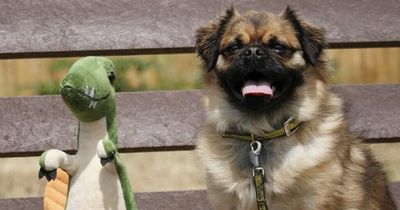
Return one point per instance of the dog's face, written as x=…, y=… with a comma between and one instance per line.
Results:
x=258, y=58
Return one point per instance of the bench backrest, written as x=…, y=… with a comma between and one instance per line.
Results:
x=169, y=120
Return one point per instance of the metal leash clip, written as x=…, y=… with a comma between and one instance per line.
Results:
x=254, y=153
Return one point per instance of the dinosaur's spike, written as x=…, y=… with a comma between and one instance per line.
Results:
x=91, y=94
x=86, y=90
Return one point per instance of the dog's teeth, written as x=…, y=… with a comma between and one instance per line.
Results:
x=94, y=104
x=91, y=94
x=273, y=88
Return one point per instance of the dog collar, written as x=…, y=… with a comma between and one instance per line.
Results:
x=289, y=127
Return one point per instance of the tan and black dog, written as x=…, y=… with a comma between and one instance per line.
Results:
x=265, y=85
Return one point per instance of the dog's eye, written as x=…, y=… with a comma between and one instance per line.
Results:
x=278, y=48
x=234, y=48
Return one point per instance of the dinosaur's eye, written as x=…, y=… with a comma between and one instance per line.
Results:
x=111, y=77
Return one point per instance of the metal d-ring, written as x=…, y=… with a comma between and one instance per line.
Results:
x=255, y=147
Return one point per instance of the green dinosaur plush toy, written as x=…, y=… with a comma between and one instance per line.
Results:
x=97, y=177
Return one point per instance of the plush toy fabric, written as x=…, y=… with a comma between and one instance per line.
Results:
x=97, y=177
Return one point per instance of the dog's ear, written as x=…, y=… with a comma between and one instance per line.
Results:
x=312, y=39
x=208, y=38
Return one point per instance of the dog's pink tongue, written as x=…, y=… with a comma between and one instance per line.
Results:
x=260, y=88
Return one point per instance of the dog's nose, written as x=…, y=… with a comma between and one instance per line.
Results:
x=254, y=51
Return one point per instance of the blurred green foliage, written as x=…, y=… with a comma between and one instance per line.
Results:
x=122, y=67
x=52, y=87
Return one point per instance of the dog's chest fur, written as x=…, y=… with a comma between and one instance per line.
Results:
x=287, y=163
x=319, y=167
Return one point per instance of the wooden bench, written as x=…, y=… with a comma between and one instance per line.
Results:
x=160, y=121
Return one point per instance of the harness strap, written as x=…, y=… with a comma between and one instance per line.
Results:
x=289, y=127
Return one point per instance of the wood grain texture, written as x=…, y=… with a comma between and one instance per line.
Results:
x=177, y=200
x=169, y=120
x=52, y=28
x=372, y=110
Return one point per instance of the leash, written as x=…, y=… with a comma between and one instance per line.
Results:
x=289, y=127
x=258, y=175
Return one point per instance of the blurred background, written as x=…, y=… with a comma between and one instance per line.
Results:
x=162, y=171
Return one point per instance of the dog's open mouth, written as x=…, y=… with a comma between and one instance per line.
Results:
x=260, y=88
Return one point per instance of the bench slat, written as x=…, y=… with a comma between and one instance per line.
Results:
x=174, y=200
x=50, y=28
x=169, y=120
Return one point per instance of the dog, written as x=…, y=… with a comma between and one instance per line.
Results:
x=275, y=137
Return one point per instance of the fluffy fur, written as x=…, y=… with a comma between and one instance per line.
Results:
x=321, y=166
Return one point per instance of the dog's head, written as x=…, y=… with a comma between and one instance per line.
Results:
x=258, y=58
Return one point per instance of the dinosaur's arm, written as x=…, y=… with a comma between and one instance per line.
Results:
x=106, y=151
x=53, y=159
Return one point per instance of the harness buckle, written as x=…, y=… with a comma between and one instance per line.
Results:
x=258, y=171
x=286, y=127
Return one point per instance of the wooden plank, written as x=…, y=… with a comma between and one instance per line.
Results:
x=48, y=28
x=372, y=110
x=146, y=121
x=177, y=200
x=169, y=120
